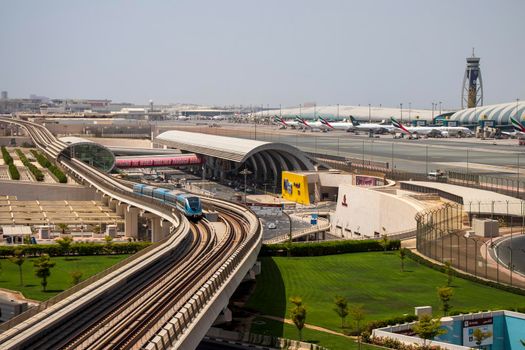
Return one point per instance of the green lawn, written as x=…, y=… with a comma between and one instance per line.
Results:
x=372, y=279
x=333, y=342
x=60, y=278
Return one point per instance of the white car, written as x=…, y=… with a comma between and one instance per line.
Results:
x=271, y=226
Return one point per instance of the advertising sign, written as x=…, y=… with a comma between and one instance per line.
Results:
x=313, y=219
x=469, y=326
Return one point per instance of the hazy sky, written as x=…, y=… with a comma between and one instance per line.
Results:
x=262, y=52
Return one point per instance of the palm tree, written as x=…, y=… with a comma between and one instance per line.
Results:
x=18, y=258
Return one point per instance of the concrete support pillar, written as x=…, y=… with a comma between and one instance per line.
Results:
x=156, y=229
x=166, y=226
x=224, y=316
x=105, y=199
x=131, y=219
x=121, y=209
x=113, y=204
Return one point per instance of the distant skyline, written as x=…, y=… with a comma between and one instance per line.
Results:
x=272, y=52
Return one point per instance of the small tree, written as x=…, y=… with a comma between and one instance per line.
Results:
x=298, y=314
x=449, y=272
x=341, y=308
x=63, y=227
x=43, y=269
x=109, y=243
x=65, y=244
x=76, y=277
x=427, y=328
x=402, y=256
x=18, y=258
x=445, y=294
x=479, y=336
x=384, y=242
x=358, y=314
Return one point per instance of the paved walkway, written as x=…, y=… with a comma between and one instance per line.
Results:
x=309, y=326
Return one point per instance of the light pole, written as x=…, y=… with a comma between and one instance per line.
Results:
x=409, y=112
x=426, y=159
x=338, y=111
x=369, y=114
x=440, y=107
x=245, y=172
x=290, y=231
x=401, y=112
x=433, y=105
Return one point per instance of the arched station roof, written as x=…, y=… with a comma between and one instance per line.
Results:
x=260, y=154
x=89, y=152
x=500, y=113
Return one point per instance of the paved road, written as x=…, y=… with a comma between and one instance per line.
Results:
x=499, y=157
x=517, y=246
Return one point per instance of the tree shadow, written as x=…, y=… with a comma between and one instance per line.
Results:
x=54, y=291
x=71, y=259
x=31, y=285
x=271, y=293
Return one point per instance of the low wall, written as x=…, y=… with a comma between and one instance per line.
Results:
x=364, y=211
x=27, y=191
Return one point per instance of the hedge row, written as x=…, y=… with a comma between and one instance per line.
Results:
x=43, y=161
x=326, y=248
x=39, y=176
x=32, y=250
x=7, y=157
x=13, y=171
x=419, y=259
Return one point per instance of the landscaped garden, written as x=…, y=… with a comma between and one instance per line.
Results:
x=374, y=280
x=62, y=274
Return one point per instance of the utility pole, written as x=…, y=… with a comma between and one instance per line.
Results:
x=369, y=114
x=401, y=111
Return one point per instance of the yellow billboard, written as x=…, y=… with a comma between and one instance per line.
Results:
x=295, y=187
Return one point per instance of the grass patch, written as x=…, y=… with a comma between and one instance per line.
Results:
x=333, y=342
x=60, y=278
x=372, y=279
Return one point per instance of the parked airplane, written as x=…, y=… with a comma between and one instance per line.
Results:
x=432, y=131
x=373, y=127
x=287, y=123
x=336, y=125
x=313, y=125
x=518, y=127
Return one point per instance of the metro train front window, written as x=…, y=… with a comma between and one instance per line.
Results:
x=193, y=203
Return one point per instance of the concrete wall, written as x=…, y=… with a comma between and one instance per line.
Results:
x=368, y=211
x=33, y=191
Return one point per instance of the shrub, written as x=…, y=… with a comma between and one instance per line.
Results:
x=326, y=248
x=33, y=250
x=7, y=157
x=43, y=161
x=13, y=172
x=389, y=322
x=39, y=176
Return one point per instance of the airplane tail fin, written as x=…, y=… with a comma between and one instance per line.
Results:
x=354, y=121
x=398, y=125
x=517, y=125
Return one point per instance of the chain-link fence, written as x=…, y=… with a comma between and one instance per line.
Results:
x=443, y=235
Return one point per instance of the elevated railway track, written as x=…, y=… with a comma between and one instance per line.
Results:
x=166, y=297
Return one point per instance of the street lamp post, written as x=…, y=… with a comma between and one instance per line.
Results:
x=409, y=112
x=245, y=172
x=369, y=114
x=401, y=112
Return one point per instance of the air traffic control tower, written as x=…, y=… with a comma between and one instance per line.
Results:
x=472, y=93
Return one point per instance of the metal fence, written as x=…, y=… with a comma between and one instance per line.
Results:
x=442, y=234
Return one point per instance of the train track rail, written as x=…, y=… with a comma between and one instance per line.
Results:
x=127, y=312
